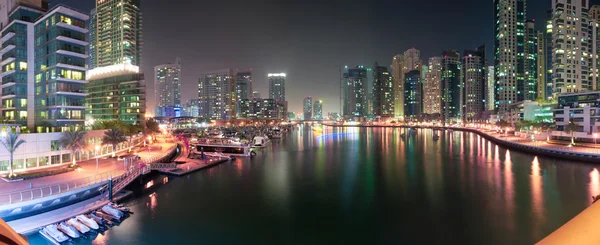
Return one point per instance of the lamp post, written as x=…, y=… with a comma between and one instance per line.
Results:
x=97, y=149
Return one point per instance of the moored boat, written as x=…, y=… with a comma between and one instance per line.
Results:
x=260, y=141
x=107, y=217
x=98, y=220
x=79, y=226
x=229, y=147
x=87, y=222
x=69, y=230
x=52, y=233
x=112, y=211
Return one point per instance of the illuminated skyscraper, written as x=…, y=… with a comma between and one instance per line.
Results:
x=432, y=93
x=398, y=86
x=243, y=88
x=490, y=105
x=167, y=84
x=308, y=108
x=383, y=93
x=216, y=100
x=570, y=46
x=509, y=33
x=355, y=82
x=474, y=84
x=117, y=33
x=277, y=86
x=318, y=110
x=530, y=84
x=451, y=86
x=413, y=91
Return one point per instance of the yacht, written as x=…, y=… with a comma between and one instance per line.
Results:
x=88, y=222
x=225, y=146
x=112, y=212
x=79, y=226
x=276, y=133
x=260, y=141
x=69, y=230
x=52, y=233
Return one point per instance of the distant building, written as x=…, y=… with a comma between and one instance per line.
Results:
x=398, y=85
x=255, y=95
x=243, y=88
x=333, y=116
x=308, y=108
x=383, y=93
x=167, y=85
x=355, y=85
x=318, y=110
x=432, y=93
x=474, y=76
x=277, y=86
x=490, y=104
x=168, y=111
x=291, y=116
x=451, y=86
x=413, y=91
x=216, y=99
x=262, y=109
x=190, y=109
x=530, y=66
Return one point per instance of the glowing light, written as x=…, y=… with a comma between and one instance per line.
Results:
x=276, y=75
x=114, y=70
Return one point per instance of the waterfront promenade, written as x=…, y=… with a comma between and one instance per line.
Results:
x=106, y=166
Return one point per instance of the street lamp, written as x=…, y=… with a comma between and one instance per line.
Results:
x=97, y=149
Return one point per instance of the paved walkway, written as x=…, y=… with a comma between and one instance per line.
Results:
x=88, y=169
x=554, y=145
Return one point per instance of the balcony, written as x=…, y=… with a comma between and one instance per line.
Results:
x=72, y=92
x=7, y=61
x=8, y=84
x=71, y=53
x=72, y=40
x=8, y=95
x=6, y=73
x=7, y=49
x=62, y=79
x=72, y=27
x=80, y=68
x=7, y=37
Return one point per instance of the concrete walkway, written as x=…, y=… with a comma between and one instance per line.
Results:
x=88, y=169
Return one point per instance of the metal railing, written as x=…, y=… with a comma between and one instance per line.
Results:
x=55, y=189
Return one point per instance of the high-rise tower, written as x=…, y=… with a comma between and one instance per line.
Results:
x=118, y=33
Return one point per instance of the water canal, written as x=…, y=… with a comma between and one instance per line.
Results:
x=361, y=186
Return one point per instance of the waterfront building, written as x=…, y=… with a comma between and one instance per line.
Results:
x=262, y=109
x=548, y=55
x=383, y=92
x=318, y=110
x=580, y=109
x=529, y=91
x=432, y=93
x=490, y=105
x=116, y=88
x=277, y=86
x=333, y=116
x=118, y=33
x=243, y=87
x=451, y=86
x=167, y=85
x=541, y=66
x=92, y=39
x=116, y=92
x=308, y=108
x=413, y=91
x=398, y=86
x=570, y=47
x=291, y=116
x=43, y=92
x=474, y=75
x=355, y=84
x=255, y=95
x=216, y=100
x=509, y=33
x=594, y=48
x=168, y=111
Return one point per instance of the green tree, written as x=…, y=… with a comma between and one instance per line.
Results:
x=130, y=131
x=11, y=142
x=73, y=141
x=113, y=137
x=502, y=123
x=571, y=128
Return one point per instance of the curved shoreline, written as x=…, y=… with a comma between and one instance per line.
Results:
x=565, y=155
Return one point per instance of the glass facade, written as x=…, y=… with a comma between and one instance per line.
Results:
x=121, y=97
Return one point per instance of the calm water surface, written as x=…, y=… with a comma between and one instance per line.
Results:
x=361, y=186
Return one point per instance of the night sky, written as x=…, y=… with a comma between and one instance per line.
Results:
x=306, y=39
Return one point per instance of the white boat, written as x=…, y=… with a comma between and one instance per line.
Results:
x=99, y=220
x=51, y=233
x=112, y=212
x=260, y=141
x=120, y=207
x=229, y=147
x=276, y=133
x=79, y=226
x=69, y=230
x=88, y=222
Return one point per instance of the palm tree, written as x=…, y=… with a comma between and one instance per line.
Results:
x=571, y=128
x=113, y=137
x=130, y=131
x=73, y=141
x=11, y=142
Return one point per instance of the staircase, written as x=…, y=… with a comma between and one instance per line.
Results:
x=120, y=182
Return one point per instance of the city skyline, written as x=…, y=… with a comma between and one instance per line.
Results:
x=303, y=49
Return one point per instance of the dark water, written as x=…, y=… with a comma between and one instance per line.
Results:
x=362, y=186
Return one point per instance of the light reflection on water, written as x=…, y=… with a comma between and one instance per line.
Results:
x=352, y=185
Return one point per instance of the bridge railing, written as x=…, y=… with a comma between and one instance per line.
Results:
x=55, y=189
